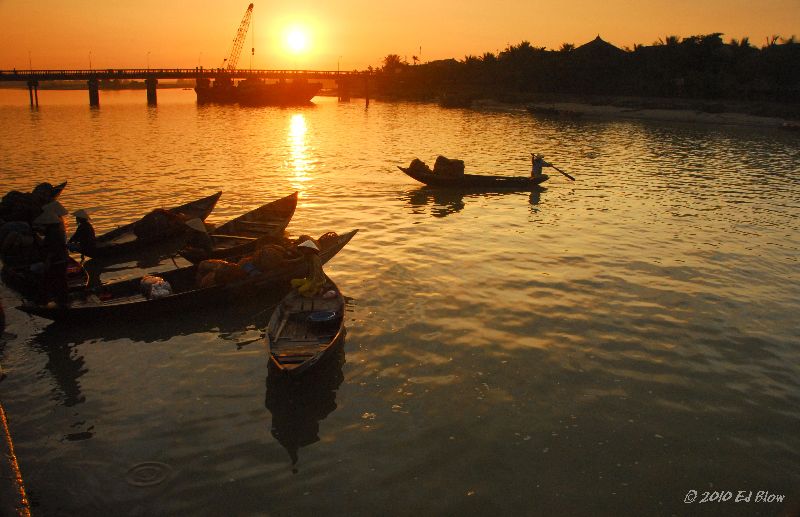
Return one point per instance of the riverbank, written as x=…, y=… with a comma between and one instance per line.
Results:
x=13, y=498
x=674, y=114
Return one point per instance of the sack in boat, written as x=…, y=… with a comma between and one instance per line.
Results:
x=158, y=223
x=154, y=287
x=215, y=272
x=419, y=165
x=447, y=167
x=327, y=237
x=20, y=206
x=266, y=257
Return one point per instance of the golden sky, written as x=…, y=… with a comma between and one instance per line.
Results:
x=353, y=34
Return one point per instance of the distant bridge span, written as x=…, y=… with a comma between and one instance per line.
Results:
x=152, y=75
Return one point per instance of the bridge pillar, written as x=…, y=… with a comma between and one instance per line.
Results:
x=343, y=90
x=33, y=91
x=152, y=84
x=94, y=91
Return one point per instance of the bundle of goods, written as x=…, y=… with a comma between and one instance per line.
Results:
x=447, y=167
x=158, y=223
x=154, y=287
x=420, y=166
x=218, y=272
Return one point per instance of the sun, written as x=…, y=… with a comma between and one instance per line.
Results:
x=297, y=40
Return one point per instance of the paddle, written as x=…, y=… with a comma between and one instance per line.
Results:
x=559, y=170
x=562, y=172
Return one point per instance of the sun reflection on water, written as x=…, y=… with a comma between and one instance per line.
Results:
x=298, y=161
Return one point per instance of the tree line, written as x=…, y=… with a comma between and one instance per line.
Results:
x=696, y=67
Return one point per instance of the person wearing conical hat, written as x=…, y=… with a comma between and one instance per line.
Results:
x=199, y=237
x=312, y=284
x=47, y=192
x=54, y=250
x=537, y=164
x=83, y=241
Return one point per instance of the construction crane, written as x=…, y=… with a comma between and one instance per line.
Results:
x=238, y=41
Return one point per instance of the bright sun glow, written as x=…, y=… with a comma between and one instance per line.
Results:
x=297, y=40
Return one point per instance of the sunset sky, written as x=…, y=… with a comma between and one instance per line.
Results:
x=352, y=34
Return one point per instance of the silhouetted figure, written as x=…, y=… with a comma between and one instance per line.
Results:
x=537, y=164
x=83, y=240
x=54, y=251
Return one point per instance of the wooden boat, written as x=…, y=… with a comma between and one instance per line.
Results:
x=124, y=241
x=304, y=331
x=28, y=283
x=125, y=300
x=244, y=234
x=475, y=181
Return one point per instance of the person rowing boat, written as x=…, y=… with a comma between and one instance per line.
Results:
x=537, y=164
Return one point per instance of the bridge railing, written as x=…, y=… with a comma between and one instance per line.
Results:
x=167, y=73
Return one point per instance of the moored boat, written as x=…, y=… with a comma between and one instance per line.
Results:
x=136, y=236
x=126, y=300
x=245, y=233
x=304, y=331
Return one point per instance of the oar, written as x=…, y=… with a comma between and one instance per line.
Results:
x=562, y=172
x=559, y=170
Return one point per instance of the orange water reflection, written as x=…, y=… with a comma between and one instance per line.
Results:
x=298, y=161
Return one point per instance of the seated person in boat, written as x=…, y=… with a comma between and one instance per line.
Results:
x=83, y=240
x=537, y=164
x=312, y=284
x=199, y=237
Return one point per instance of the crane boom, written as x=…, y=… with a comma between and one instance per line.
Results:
x=238, y=41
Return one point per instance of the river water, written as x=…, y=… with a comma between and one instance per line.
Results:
x=604, y=346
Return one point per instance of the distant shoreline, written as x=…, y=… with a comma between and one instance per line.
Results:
x=720, y=113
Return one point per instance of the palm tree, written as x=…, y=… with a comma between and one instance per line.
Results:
x=669, y=41
x=392, y=62
x=567, y=47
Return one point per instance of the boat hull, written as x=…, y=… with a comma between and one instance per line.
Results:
x=294, y=343
x=475, y=181
x=245, y=233
x=123, y=242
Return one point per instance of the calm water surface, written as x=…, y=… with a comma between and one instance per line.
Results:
x=601, y=347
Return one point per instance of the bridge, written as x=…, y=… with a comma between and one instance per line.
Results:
x=344, y=80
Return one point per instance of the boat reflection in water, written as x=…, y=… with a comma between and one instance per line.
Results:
x=299, y=405
x=443, y=201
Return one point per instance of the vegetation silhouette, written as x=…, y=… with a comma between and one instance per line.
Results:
x=701, y=67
